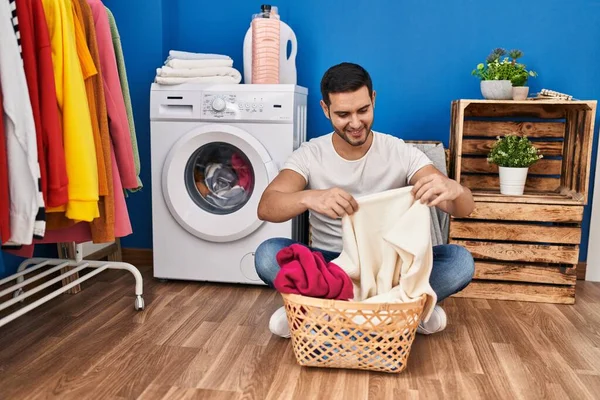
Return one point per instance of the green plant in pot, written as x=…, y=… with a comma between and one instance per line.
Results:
x=520, y=76
x=513, y=155
x=499, y=75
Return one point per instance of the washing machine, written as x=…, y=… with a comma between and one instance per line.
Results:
x=214, y=150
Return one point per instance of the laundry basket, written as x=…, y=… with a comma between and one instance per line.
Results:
x=341, y=334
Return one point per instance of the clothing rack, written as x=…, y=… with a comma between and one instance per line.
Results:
x=75, y=266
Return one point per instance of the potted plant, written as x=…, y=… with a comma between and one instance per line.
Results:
x=498, y=76
x=520, y=90
x=513, y=155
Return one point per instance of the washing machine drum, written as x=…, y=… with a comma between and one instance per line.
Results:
x=213, y=179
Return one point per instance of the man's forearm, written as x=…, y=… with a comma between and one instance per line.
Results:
x=279, y=206
x=463, y=205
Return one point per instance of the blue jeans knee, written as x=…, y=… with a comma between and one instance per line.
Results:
x=265, y=258
x=466, y=271
x=453, y=269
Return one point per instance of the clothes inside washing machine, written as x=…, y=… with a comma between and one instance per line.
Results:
x=219, y=178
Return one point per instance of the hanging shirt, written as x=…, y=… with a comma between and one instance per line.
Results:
x=37, y=59
x=15, y=21
x=90, y=74
x=125, y=89
x=102, y=228
x=21, y=147
x=4, y=188
x=80, y=153
x=117, y=114
x=39, y=226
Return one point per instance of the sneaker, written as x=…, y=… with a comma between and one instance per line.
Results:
x=437, y=322
x=278, y=325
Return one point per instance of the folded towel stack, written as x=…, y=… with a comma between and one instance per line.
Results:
x=185, y=67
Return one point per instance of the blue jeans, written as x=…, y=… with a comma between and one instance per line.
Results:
x=453, y=265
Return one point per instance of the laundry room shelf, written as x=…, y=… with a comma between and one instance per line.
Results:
x=67, y=269
x=526, y=248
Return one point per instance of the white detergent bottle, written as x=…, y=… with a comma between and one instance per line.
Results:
x=287, y=65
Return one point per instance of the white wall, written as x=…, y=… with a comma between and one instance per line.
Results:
x=593, y=256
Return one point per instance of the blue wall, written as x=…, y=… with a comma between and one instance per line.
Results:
x=420, y=56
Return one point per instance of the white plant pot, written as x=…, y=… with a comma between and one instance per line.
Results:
x=497, y=90
x=520, y=92
x=512, y=180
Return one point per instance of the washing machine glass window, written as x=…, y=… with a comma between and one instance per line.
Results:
x=219, y=178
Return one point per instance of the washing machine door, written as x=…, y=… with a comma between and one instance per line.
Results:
x=213, y=179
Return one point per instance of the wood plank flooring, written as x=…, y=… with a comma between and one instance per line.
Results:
x=211, y=341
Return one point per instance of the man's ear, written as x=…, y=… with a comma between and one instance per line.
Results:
x=325, y=109
x=373, y=98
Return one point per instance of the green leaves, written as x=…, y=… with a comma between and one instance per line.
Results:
x=515, y=54
x=513, y=151
x=507, y=68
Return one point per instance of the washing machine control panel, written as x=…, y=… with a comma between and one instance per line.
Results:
x=247, y=106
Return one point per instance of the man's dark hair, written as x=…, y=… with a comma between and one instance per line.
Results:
x=344, y=77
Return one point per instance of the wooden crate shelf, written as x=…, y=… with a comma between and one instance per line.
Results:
x=526, y=248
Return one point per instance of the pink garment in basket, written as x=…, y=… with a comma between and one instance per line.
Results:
x=305, y=272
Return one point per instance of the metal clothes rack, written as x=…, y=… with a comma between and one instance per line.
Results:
x=76, y=265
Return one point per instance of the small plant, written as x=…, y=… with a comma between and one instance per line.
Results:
x=513, y=151
x=496, y=68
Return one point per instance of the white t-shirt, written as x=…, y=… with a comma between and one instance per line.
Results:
x=389, y=163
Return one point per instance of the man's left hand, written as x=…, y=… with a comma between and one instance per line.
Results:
x=436, y=188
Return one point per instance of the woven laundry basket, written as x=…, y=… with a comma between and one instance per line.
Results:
x=341, y=334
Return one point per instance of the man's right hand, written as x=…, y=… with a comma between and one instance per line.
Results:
x=335, y=202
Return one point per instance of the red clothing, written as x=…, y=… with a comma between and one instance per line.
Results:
x=39, y=71
x=4, y=190
x=115, y=104
x=305, y=272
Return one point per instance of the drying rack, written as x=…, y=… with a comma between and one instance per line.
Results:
x=69, y=269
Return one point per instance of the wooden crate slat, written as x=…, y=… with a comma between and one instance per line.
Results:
x=456, y=140
x=528, y=253
x=568, y=146
x=564, y=294
x=525, y=273
x=495, y=196
x=487, y=182
x=481, y=165
x=501, y=128
x=588, y=139
x=576, y=167
x=526, y=212
x=483, y=147
x=515, y=232
x=497, y=109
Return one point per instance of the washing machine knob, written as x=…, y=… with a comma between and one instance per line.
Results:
x=219, y=104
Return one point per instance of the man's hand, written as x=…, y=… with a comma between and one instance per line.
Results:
x=436, y=188
x=335, y=202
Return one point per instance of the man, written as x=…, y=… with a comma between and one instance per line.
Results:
x=326, y=174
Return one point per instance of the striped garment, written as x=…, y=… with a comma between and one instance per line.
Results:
x=15, y=22
x=39, y=228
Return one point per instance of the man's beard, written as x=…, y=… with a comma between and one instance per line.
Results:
x=349, y=140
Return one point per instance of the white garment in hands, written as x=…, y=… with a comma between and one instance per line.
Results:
x=387, y=249
x=21, y=145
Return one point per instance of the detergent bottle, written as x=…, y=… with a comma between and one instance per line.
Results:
x=265, y=49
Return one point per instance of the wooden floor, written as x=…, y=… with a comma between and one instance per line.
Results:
x=210, y=341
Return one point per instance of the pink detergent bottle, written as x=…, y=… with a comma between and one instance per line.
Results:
x=265, y=46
